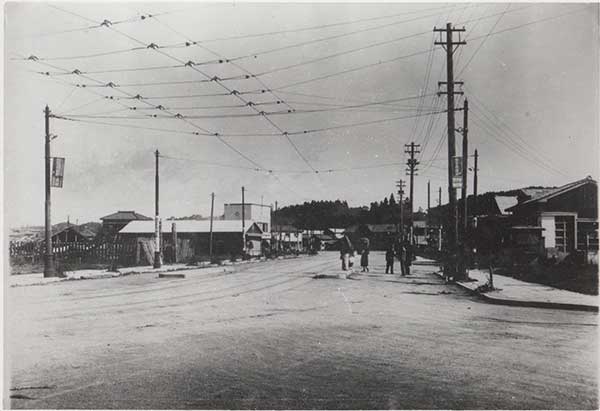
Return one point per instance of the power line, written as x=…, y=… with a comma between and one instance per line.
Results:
x=514, y=148
x=318, y=27
x=517, y=147
x=483, y=41
x=237, y=96
x=217, y=135
x=529, y=24
x=378, y=63
x=310, y=131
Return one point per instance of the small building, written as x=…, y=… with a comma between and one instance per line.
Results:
x=287, y=237
x=113, y=223
x=71, y=234
x=257, y=213
x=568, y=216
x=193, y=237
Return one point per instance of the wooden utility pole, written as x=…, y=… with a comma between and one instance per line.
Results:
x=428, y=195
x=449, y=47
x=243, y=221
x=49, y=268
x=440, y=196
x=278, y=229
x=475, y=169
x=157, y=263
x=210, y=238
x=412, y=164
x=465, y=156
x=400, y=184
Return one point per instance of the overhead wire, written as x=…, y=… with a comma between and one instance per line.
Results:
x=266, y=117
x=483, y=41
x=517, y=145
x=512, y=147
x=217, y=135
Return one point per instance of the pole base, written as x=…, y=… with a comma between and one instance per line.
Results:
x=49, y=267
x=157, y=259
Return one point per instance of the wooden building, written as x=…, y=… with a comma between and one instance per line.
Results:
x=567, y=215
x=193, y=238
x=71, y=234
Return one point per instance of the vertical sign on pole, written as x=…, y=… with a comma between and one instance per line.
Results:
x=457, y=171
x=58, y=172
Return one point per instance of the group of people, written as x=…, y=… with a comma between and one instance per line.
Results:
x=400, y=249
x=403, y=251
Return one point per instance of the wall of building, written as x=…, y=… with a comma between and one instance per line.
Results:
x=255, y=212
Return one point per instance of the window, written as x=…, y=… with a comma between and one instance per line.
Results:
x=564, y=232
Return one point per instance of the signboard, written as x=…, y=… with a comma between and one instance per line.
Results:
x=457, y=171
x=58, y=172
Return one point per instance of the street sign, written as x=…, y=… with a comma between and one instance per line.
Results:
x=457, y=171
x=58, y=171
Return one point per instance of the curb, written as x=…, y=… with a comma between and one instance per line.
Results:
x=521, y=303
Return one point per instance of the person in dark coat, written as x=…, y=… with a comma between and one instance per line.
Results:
x=405, y=258
x=364, y=260
x=389, y=260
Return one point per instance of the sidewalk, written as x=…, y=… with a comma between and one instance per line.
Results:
x=21, y=280
x=519, y=293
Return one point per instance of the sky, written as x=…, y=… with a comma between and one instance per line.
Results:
x=360, y=78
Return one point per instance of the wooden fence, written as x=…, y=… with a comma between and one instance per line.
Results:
x=76, y=253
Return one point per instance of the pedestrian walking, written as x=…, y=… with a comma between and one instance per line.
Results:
x=405, y=258
x=345, y=250
x=389, y=260
x=364, y=260
x=409, y=256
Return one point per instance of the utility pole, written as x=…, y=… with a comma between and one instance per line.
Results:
x=277, y=231
x=210, y=238
x=449, y=47
x=428, y=195
x=156, y=217
x=400, y=184
x=475, y=169
x=49, y=269
x=412, y=164
x=243, y=221
x=440, y=196
x=465, y=155
x=462, y=266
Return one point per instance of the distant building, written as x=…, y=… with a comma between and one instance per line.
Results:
x=380, y=235
x=257, y=213
x=287, y=236
x=71, y=234
x=193, y=236
x=112, y=223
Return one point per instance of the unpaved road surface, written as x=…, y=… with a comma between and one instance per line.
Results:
x=271, y=336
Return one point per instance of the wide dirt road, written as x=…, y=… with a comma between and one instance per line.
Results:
x=271, y=336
